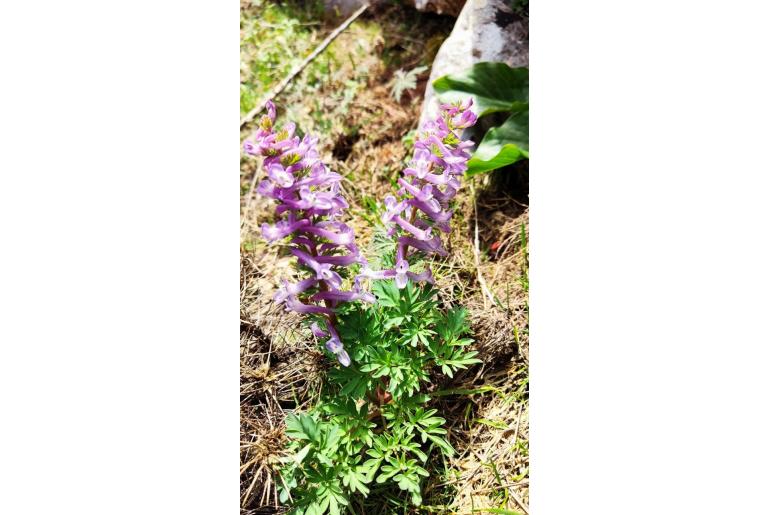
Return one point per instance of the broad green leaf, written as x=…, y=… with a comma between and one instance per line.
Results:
x=455, y=321
x=325, y=501
x=371, y=467
x=387, y=472
x=302, y=453
x=352, y=385
x=324, y=460
x=301, y=427
x=493, y=86
x=332, y=440
x=309, y=426
x=442, y=444
x=283, y=494
x=502, y=145
x=387, y=293
x=391, y=322
x=405, y=483
x=384, y=371
x=417, y=452
x=334, y=508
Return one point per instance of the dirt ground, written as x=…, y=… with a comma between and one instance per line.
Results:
x=487, y=406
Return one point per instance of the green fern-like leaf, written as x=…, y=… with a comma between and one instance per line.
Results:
x=403, y=81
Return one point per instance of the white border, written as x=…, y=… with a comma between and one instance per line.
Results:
x=119, y=277
x=649, y=257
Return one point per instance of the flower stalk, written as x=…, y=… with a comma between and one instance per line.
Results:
x=421, y=207
x=310, y=204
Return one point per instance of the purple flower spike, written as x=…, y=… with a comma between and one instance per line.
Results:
x=310, y=203
x=428, y=185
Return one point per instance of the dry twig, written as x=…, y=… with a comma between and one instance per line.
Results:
x=285, y=82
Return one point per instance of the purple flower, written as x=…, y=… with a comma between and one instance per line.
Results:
x=317, y=331
x=334, y=345
x=377, y=274
x=345, y=296
x=428, y=185
x=310, y=203
x=293, y=304
x=342, y=236
x=431, y=246
x=323, y=271
x=279, y=175
x=293, y=289
x=393, y=208
x=420, y=234
x=402, y=267
x=282, y=229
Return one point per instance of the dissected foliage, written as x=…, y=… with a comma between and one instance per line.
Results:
x=403, y=81
x=372, y=423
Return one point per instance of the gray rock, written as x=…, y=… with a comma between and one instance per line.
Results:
x=486, y=30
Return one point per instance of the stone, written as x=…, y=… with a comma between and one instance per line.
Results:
x=486, y=30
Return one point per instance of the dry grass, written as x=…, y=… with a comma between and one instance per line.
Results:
x=281, y=367
x=489, y=428
x=493, y=459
